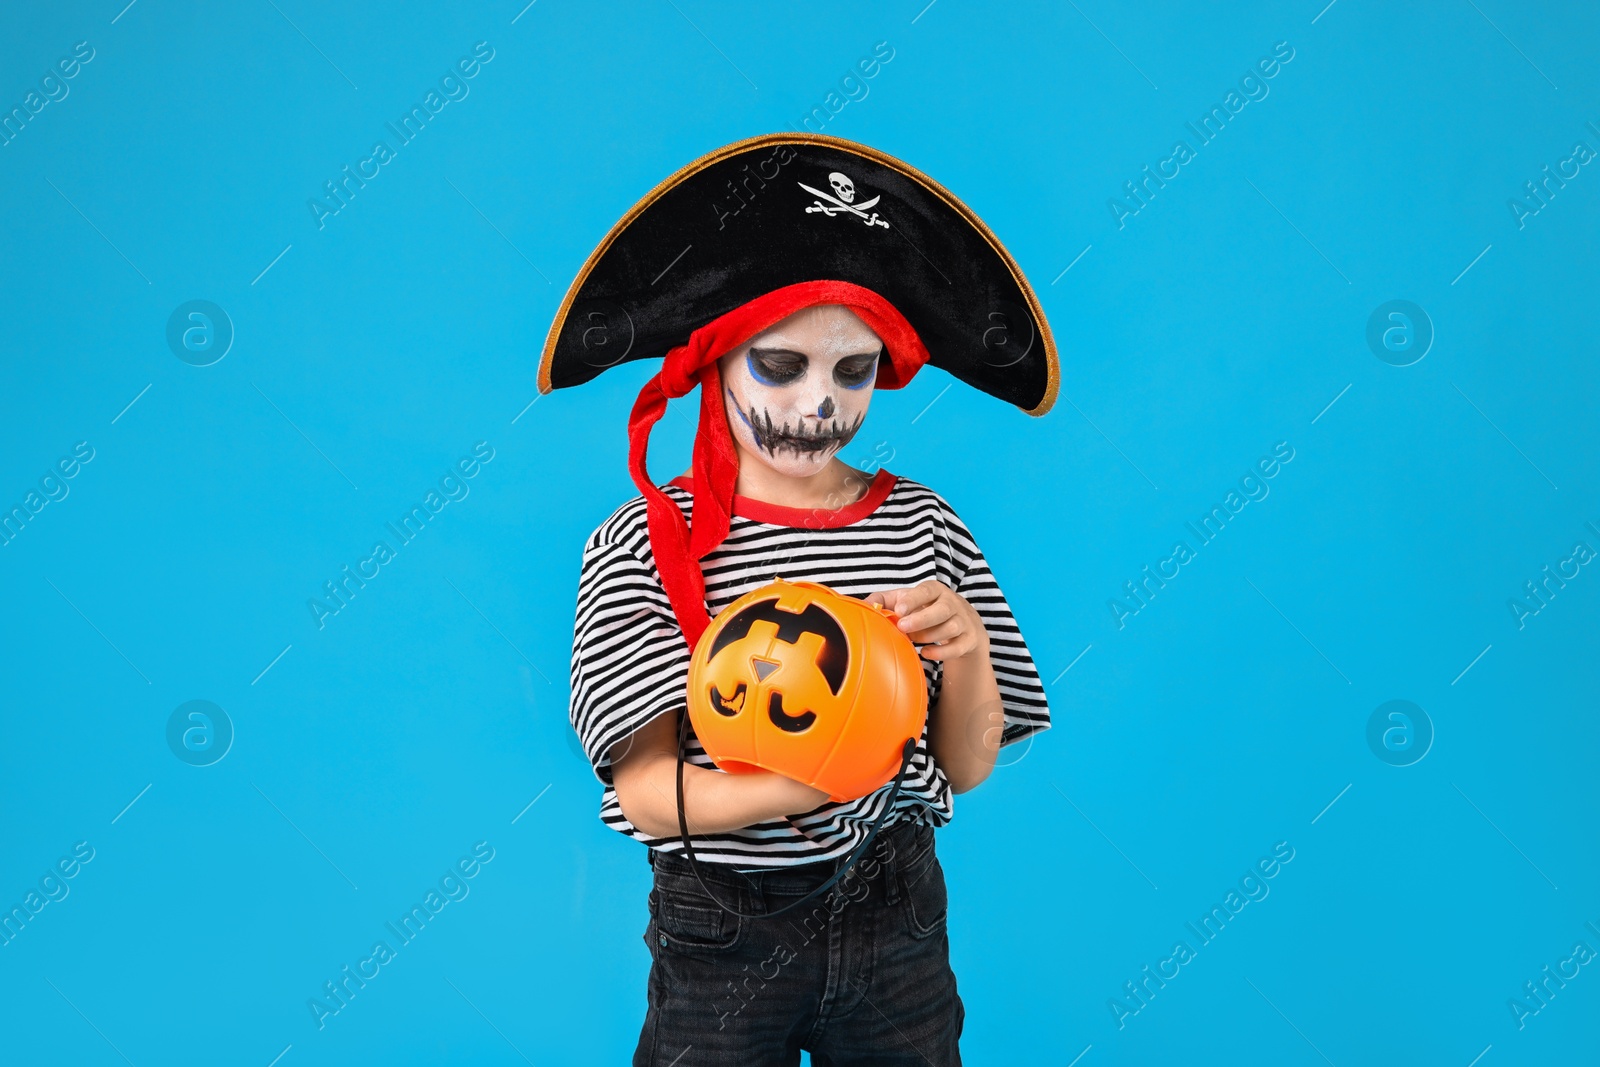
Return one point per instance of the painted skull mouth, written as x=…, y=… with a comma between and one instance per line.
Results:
x=772, y=437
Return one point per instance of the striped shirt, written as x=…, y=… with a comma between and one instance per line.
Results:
x=630, y=662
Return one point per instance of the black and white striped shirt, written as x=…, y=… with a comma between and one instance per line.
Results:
x=630, y=661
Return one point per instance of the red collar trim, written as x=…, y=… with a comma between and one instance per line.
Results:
x=806, y=518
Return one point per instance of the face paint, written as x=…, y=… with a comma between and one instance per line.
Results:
x=797, y=393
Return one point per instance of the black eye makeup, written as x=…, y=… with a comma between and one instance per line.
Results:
x=775, y=367
x=856, y=371
x=778, y=367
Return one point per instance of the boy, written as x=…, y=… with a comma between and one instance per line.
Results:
x=787, y=357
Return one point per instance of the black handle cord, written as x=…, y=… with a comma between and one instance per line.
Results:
x=906, y=752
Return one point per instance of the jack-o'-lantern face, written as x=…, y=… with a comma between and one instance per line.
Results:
x=779, y=664
x=819, y=687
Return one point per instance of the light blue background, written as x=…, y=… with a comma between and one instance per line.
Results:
x=430, y=711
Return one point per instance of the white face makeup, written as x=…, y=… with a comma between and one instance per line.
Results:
x=797, y=392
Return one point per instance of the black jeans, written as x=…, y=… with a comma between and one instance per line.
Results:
x=861, y=975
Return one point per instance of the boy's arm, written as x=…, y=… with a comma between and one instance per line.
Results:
x=644, y=770
x=965, y=726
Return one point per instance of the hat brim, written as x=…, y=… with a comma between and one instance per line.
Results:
x=775, y=210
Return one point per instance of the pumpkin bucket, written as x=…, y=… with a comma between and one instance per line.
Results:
x=819, y=687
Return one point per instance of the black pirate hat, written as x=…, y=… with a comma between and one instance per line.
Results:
x=772, y=211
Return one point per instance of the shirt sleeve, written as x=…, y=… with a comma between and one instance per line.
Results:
x=1021, y=693
x=630, y=662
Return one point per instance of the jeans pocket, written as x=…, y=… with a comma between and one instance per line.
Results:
x=925, y=903
x=692, y=924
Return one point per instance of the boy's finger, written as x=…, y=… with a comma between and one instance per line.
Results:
x=904, y=600
x=943, y=631
x=946, y=652
x=923, y=618
x=893, y=599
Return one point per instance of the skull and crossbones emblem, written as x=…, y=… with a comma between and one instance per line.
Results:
x=843, y=200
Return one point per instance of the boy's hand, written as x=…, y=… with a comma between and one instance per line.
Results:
x=936, y=617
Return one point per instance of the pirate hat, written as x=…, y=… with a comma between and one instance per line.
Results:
x=767, y=212
x=747, y=235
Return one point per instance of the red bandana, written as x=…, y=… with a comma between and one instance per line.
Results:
x=716, y=461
